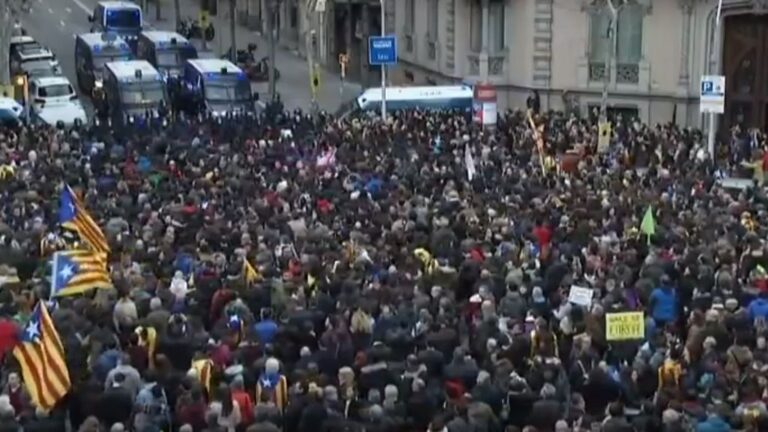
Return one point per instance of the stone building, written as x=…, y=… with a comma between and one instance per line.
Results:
x=559, y=48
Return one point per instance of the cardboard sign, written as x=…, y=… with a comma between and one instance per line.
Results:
x=580, y=295
x=604, y=137
x=624, y=326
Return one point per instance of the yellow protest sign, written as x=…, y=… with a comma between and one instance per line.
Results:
x=624, y=326
x=605, y=131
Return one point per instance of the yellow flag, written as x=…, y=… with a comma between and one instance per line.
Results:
x=250, y=273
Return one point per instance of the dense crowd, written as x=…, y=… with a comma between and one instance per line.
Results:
x=412, y=274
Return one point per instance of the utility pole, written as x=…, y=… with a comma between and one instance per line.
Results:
x=610, y=55
x=232, y=28
x=313, y=7
x=157, y=10
x=177, y=13
x=9, y=10
x=712, y=132
x=383, y=66
x=272, y=48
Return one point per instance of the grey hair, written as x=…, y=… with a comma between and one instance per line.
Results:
x=374, y=396
x=548, y=391
x=391, y=392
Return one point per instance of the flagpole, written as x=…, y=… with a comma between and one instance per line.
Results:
x=54, y=272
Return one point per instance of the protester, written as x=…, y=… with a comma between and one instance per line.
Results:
x=292, y=273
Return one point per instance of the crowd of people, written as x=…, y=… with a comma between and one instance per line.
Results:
x=412, y=274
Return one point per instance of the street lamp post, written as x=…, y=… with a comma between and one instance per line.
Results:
x=383, y=66
x=272, y=49
x=712, y=132
x=23, y=82
x=610, y=55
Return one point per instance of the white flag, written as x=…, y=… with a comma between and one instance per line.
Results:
x=470, y=162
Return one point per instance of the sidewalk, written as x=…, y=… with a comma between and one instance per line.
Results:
x=293, y=85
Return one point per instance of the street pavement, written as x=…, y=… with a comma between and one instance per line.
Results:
x=56, y=23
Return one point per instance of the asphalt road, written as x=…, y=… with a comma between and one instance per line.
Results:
x=56, y=23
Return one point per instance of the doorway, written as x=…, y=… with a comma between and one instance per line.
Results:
x=745, y=66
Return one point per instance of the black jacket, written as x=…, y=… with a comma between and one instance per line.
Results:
x=115, y=406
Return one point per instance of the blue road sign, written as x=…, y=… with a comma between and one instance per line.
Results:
x=382, y=50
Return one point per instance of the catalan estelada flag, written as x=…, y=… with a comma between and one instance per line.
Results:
x=77, y=271
x=41, y=357
x=74, y=216
x=250, y=274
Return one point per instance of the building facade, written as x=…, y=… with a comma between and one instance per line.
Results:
x=561, y=48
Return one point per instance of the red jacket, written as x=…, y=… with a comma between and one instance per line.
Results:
x=543, y=236
x=9, y=333
x=245, y=402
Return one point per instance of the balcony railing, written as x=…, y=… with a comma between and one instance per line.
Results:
x=408, y=42
x=432, y=49
x=494, y=64
x=626, y=73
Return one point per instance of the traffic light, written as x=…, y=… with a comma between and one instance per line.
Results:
x=315, y=80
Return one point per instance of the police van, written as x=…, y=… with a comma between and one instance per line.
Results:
x=92, y=53
x=165, y=50
x=132, y=90
x=124, y=18
x=215, y=86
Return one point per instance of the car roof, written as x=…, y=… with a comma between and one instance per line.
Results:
x=23, y=39
x=35, y=52
x=118, y=4
x=127, y=69
x=162, y=36
x=94, y=39
x=214, y=65
x=52, y=80
x=6, y=102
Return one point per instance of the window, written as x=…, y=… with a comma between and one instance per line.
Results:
x=494, y=28
x=432, y=20
x=629, y=43
x=140, y=95
x=475, y=26
x=629, y=36
x=600, y=34
x=496, y=35
x=124, y=18
x=410, y=16
x=294, y=15
x=55, y=90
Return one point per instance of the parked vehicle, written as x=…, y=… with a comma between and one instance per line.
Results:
x=191, y=29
